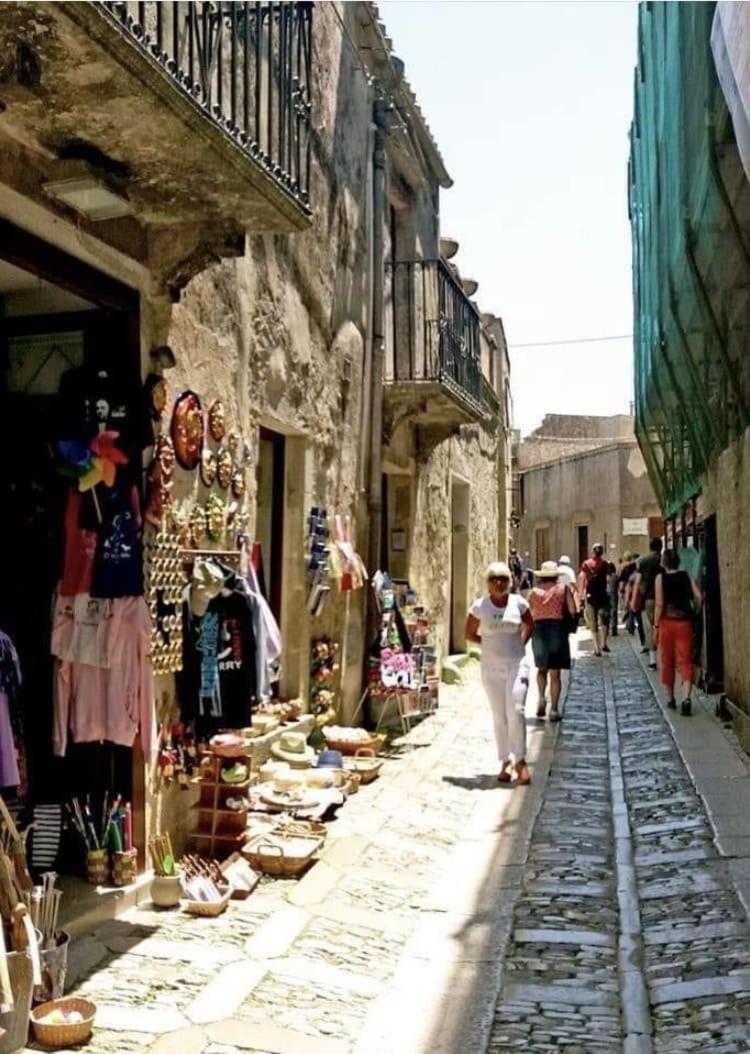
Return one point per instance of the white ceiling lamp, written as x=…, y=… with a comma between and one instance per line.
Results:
x=86, y=192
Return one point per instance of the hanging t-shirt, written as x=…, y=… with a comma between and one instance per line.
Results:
x=80, y=629
x=118, y=565
x=500, y=629
x=219, y=683
x=80, y=549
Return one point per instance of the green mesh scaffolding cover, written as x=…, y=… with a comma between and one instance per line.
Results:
x=689, y=202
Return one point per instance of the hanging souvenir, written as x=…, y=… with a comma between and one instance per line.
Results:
x=198, y=525
x=246, y=453
x=188, y=430
x=165, y=583
x=224, y=467
x=216, y=515
x=217, y=424
x=209, y=466
x=156, y=395
x=164, y=454
x=234, y=441
x=159, y=493
x=239, y=484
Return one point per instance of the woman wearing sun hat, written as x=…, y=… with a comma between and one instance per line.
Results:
x=501, y=623
x=550, y=600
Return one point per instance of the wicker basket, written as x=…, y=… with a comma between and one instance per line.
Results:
x=374, y=743
x=229, y=750
x=284, y=857
x=364, y=764
x=208, y=909
x=63, y=1035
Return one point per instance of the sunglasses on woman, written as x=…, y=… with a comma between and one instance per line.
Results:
x=498, y=578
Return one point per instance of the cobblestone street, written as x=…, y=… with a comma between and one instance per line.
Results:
x=596, y=902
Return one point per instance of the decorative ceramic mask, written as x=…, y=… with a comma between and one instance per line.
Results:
x=188, y=430
x=216, y=515
x=224, y=467
x=209, y=466
x=234, y=441
x=198, y=525
x=239, y=485
x=217, y=423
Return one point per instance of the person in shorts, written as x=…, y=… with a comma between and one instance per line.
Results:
x=593, y=588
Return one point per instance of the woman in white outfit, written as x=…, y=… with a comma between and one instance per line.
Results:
x=502, y=624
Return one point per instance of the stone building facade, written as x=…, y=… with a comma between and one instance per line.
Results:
x=570, y=498
x=148, y=203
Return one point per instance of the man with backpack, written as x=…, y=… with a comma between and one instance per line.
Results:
x=593, y=586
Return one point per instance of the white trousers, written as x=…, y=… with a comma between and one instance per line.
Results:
x=506, y=694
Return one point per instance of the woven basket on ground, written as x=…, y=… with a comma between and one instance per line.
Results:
x=63, y=1035
x=350, y=747
x=208, y=909
x=281, y=856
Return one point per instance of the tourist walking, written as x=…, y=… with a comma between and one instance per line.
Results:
x=501, y=623
x=644, y=598
x=678, y=599
x=593, y=594
x=633, y=618
x=613, y=588
x=552, y=606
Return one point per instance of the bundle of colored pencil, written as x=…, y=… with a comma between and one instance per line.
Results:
x=162, y=857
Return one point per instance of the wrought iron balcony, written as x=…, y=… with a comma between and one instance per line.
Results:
x=246, y=65
x=196, y=114
x=433, y=359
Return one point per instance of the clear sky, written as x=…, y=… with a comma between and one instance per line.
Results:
x=530, y=103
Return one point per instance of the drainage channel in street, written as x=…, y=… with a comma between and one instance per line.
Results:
x=695, y=933
x=561, y=980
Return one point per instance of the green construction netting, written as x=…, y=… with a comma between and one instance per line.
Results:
x=689, y=204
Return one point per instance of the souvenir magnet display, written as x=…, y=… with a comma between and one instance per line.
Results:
x=165, y=582
x=217, y=424
x=188, y=430
x=198, y=527
x=239, y=484
x=209, y=466
x=234, y=439
x=224, y=467
x=216, y=516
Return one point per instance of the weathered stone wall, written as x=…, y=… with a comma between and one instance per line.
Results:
x=599, y=489
x=581, y=426
x=279, y=335
x=727, y=494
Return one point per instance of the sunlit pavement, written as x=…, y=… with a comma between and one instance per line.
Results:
x=453, y=914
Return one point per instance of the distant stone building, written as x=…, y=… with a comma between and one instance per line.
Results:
x=582, y=480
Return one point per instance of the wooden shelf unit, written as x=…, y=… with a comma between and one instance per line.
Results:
x=220, y=831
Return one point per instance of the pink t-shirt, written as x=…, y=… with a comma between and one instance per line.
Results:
x=547, y=603
x=94, y=703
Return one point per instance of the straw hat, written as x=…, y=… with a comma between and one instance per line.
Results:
x=292, y=747
x=549, y=569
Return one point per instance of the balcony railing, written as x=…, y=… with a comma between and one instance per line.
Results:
x=246, y=65
x=434, y=329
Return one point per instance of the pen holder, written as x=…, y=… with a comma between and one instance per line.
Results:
x=124, y=867
x=97, y=866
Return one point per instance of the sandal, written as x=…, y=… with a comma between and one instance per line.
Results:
x=522, y=771
x=541, y=712
x=504, y=774
x=555, y=716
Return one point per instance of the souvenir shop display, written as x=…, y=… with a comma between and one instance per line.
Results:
x=352, y=573
x=217, y=420
x=216, y=517
x=166, y=888
x=365, y=764
x=107, y=839
x=348, y=740
x=318, y=555
x=292, y=747
x=188, y=430
x=239, y=481
x=165, y=584
x=224, y=466
x=205, y=897
x=209, y=467
x=177, y=757
x=156, y=395
x=222, y=805
x=286, y=851
x=324, y=668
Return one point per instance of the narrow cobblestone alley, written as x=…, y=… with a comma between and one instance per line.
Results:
x=629, y=921
x=595, y=902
